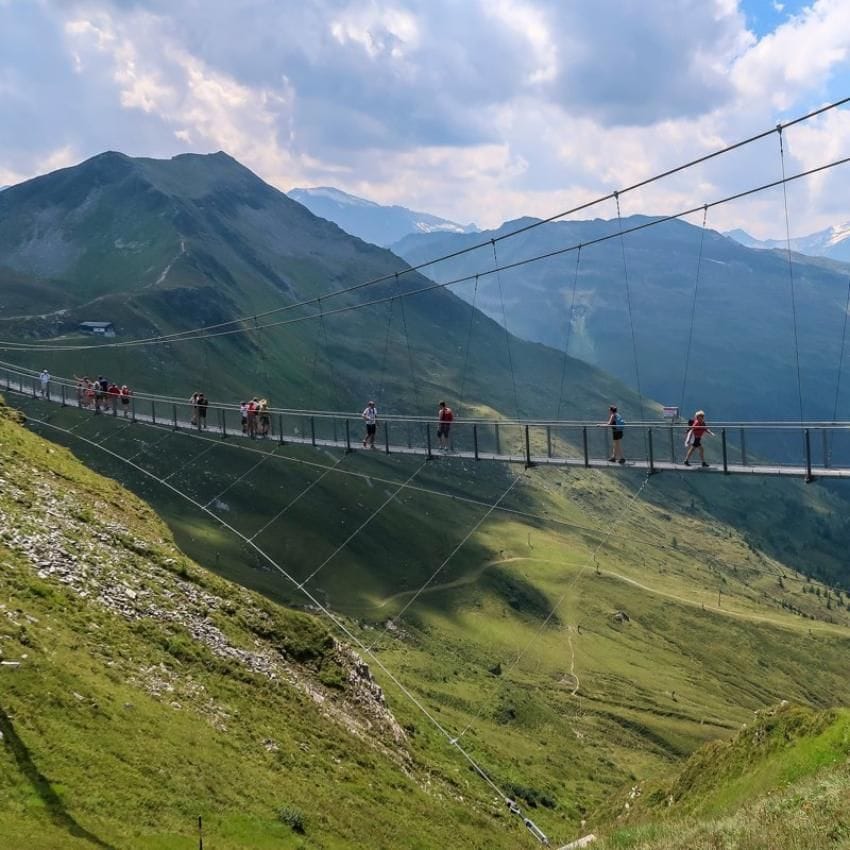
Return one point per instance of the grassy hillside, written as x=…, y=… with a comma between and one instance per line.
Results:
x=151, y=692
x=563, y=711
x=781, y=783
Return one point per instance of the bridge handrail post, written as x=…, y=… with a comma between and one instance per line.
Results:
x=809, y=476
x=725, y=458
x=153, y=412
x=825, y=435
x=386, y=437
x=651, y=451
x=34, y=390
x=548, y=441
x=222, y=421
x=347, y=437
x=498, y=440
x=313, y=430
x=672, y=444
x=174, y=415
x=475, y=440
x=333, y=421
x=743, y=447
x=428, y=439
x=584, y=444
x=280, y=429
x=528, y=463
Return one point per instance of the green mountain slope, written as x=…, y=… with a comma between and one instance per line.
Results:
x=151, y=692
x=157, y=246
x=781, y=783
x=563, y=711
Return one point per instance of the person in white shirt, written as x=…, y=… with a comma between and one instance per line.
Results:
x=44, y=377
x=370, y=417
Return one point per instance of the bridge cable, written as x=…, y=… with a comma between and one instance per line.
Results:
x=693, y=310
x=311, y=392
x=505, y=326
x=510, y=234
x=328, y=359
x=827, y=438
x=379, y=396
x=304, y=492
x=13, y=345
x=568, y=332
x=472, y=312
x=790, y=270
x=451, y=555
x=841, y=355
x=631, y=319
x=473, y=763
x=363, y=525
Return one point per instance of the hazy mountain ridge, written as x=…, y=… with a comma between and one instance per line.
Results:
x=380, y=224
x=742, y=363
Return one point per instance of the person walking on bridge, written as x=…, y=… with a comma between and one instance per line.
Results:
x=617, y=426
x=370, y=417
x=44, y=377
x=445, y=417
x=698, y=430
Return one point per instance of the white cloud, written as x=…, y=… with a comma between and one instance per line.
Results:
x=483, y=110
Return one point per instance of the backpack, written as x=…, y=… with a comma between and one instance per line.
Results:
x=619, y=422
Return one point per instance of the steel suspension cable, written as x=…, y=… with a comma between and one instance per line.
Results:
x=505, y=326
x=693, y=310
x=841, y=355
x=380, y=393
x=468, y=341
x=454, y=552
x=567, y=333
x=629, y=305
x=413, y=380
x=790, y=271
x=363, y=525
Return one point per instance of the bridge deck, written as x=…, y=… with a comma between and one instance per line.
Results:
x=780, y=470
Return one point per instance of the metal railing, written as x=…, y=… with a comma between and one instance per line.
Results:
x=803, y=449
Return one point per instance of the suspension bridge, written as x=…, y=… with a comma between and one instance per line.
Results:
x=652, y=446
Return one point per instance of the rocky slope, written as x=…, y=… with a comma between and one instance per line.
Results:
x=150, y=692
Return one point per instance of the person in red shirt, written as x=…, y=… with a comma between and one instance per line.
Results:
x=444, y=417
x=698, y=430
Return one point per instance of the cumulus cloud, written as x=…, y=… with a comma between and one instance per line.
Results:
x=485, y=110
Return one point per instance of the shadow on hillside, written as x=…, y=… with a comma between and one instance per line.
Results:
x=41, y=785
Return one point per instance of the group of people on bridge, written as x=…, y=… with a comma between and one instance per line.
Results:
x=98, y=394
x=697, y=429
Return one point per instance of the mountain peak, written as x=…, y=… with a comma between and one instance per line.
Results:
x=372, y=222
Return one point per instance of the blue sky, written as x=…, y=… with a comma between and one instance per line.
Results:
x=480, y=110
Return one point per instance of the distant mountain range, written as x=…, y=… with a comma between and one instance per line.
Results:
x=742, y=362
x=834, y=242
x=375, y=223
